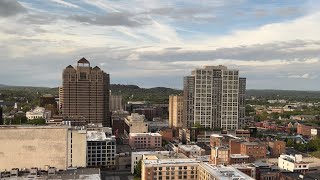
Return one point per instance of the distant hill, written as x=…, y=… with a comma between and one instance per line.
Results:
x=157, y=94
x=284, y=94
x=129, y=92
x=133, y=92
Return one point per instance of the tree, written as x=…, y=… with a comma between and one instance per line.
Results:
x=290, y=143
x=137, y=170
x=37, y=121
x=278, y=122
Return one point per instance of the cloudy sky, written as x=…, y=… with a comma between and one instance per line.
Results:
x=275, y=44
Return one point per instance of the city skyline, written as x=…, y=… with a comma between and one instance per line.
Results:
x=156, y=43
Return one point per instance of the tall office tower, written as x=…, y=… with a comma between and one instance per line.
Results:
x=188, y=101
x=175, y=111
x=85, y=92
x=242, y=102
x=214, y=98
x=1, y=114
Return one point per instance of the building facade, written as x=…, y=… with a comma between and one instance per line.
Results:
x=220, y=156
x=304, y=130
x=174, y=169
x=191, y=150
x=214, y=98
x=101, y=150
x=211, y=172
x=137, y=156
x=115, y=103
x=1, y=116
x=175, y=111
x=253, y=149
x=38, y=113
x=41, y=146
x=292, y=163
x=136, y=123
x=277, y=148
x=85, y=92
x=48, y=101
x=145, y=140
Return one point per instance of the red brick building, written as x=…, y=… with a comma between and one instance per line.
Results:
x=167, y=134
x=304, y=130
x=253, y=149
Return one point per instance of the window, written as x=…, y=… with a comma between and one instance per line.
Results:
x=83, y=76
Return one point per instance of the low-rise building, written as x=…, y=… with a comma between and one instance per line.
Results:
x=191, y=150
x=265, y=171
x=145, y=140
x=239, y=159
x=136, y=124
x=304, y=130
x=38, y=113
x=137, y=156
x=277, y=148
x=220, y=155
x=148, y=112
x=253, y=149
x=248, y=169
x=101, y=150
x=156, y=124
x=242, y=133
x=167, y=134
x=123, y=161
x=211, y=172
x=292, y=163
x=216, y=140
x=42, y=146
x=173, y=169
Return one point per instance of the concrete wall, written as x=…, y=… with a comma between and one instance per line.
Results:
x=79, y=148
x=26, y=147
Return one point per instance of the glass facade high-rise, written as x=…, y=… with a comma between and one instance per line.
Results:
x=214, y=98
x=85, y=92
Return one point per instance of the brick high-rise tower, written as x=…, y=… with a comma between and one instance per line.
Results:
x=85, y=93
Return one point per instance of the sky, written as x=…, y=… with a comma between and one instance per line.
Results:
x=152, y=43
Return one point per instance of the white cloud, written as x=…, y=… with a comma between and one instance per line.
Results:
x=302, y=76
x=65, y=3
x=304, y=28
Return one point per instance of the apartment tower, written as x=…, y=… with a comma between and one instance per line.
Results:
x=214, y=97
x=175, y=111
x=85, y=92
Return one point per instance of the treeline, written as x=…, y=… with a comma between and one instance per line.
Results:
x=129, y=92
x=291, y=95
x=135, y=93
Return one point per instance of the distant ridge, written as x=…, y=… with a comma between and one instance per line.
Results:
x=161, y=94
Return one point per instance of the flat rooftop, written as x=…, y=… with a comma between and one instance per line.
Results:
x=170, y=162
x=216, y=135
x=98, y=136
x=170, y=155
x=83, y=174
x=238, y=156
x=151, y=152
x=225, y=172
x=32, y=127
x=190, y=147
x=251, y=143
x=144, y=134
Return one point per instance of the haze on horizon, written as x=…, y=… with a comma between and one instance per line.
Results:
x=154, y=43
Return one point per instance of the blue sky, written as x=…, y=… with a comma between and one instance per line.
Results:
x=275, y=44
